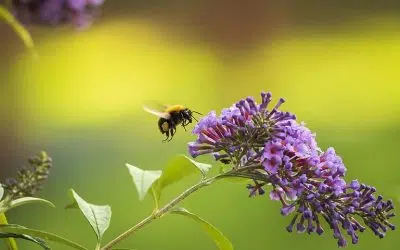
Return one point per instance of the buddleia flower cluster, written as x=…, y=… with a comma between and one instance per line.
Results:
x=271, y=147
x=54, y=12
x=29, y=179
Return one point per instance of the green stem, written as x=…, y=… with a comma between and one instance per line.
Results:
x=162, y=211
x=241, y=172
x=18, y=28
x=10, y=242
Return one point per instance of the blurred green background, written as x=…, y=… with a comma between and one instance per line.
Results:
x=335, y=63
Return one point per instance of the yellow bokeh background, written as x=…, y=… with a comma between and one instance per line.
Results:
x=81, y=100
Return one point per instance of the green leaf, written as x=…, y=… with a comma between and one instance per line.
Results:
x=36, y=240
x=10, y=242
x=18, y=27
x=220, y=240
x=177, y=168
x=16, y=229
x=143, y=179
x=98, y=216
x=29, y=200
x=203, y=167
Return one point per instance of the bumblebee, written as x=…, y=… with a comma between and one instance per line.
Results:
x=170, y=116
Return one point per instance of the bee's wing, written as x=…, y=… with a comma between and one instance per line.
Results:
x=156, y=109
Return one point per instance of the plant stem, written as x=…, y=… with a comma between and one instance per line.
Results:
x=19, y=29
x=10, y=242
x=162, y=210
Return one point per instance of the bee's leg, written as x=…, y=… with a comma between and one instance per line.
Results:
x=183, y=121
x=188, y=122
x=166, y=139
x=172, y=133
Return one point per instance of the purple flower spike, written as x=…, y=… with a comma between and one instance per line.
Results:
x=270, y=147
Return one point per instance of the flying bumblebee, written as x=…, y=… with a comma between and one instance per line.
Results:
x=170, y=116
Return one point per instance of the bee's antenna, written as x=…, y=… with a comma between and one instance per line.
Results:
x=196, y=113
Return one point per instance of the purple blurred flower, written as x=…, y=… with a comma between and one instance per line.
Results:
x=54, y=12
x=270, y=147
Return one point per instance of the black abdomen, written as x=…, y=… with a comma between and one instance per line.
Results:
x=166, y=124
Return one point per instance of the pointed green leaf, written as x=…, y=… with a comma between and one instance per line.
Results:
x=220, y=240
x=16, y=229
x=177, y=168
x=143, y=179
x=203, y=167
x=29, y=200
x=36, y=240
x=1, y=191
x=98, y=216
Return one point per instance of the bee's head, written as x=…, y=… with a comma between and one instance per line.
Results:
x=189, y=114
